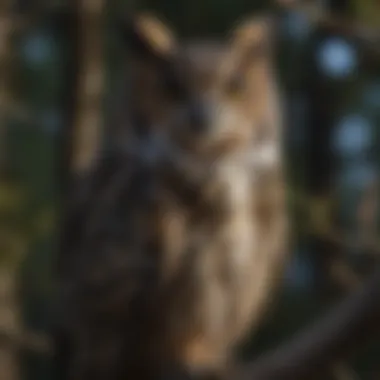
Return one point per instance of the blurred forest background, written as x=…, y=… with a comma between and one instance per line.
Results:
x=60, y=67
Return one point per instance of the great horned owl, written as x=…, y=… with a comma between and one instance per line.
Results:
x=177, y=267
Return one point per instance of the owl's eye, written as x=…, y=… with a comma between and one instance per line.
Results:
x=176, y=82
x=175, y=87
x=236, y=85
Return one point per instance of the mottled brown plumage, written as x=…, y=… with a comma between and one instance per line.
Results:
x=199, y=222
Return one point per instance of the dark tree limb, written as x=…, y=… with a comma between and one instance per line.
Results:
x=337, y=335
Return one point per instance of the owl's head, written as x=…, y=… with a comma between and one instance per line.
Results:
x=204, y=96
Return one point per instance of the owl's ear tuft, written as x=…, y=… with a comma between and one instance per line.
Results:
x=146, y=36
x=254, y=35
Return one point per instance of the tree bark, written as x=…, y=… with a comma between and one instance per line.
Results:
x=6, y=28
x=10, y=322
x=84, y=101
x=81, y=143
x=9, y=310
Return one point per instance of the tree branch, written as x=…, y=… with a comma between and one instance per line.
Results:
x=331, y=338
x=318, y=15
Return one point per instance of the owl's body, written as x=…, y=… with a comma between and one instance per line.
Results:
x=185, y=272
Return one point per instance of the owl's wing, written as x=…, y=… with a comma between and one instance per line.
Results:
x=109, y=259
x=111, y=272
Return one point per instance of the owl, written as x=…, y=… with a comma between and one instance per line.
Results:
x=185, y=239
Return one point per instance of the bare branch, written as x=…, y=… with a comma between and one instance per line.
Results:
x=331, y=338
x=368, y=36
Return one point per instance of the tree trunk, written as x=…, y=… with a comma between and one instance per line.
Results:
x=86, y=129
x=9, y=318
x=6, y=28
x=9, y=321
x=83, y=102
x=81, y=141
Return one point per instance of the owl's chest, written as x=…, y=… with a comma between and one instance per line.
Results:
x=214, y=225
x=235, y=233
